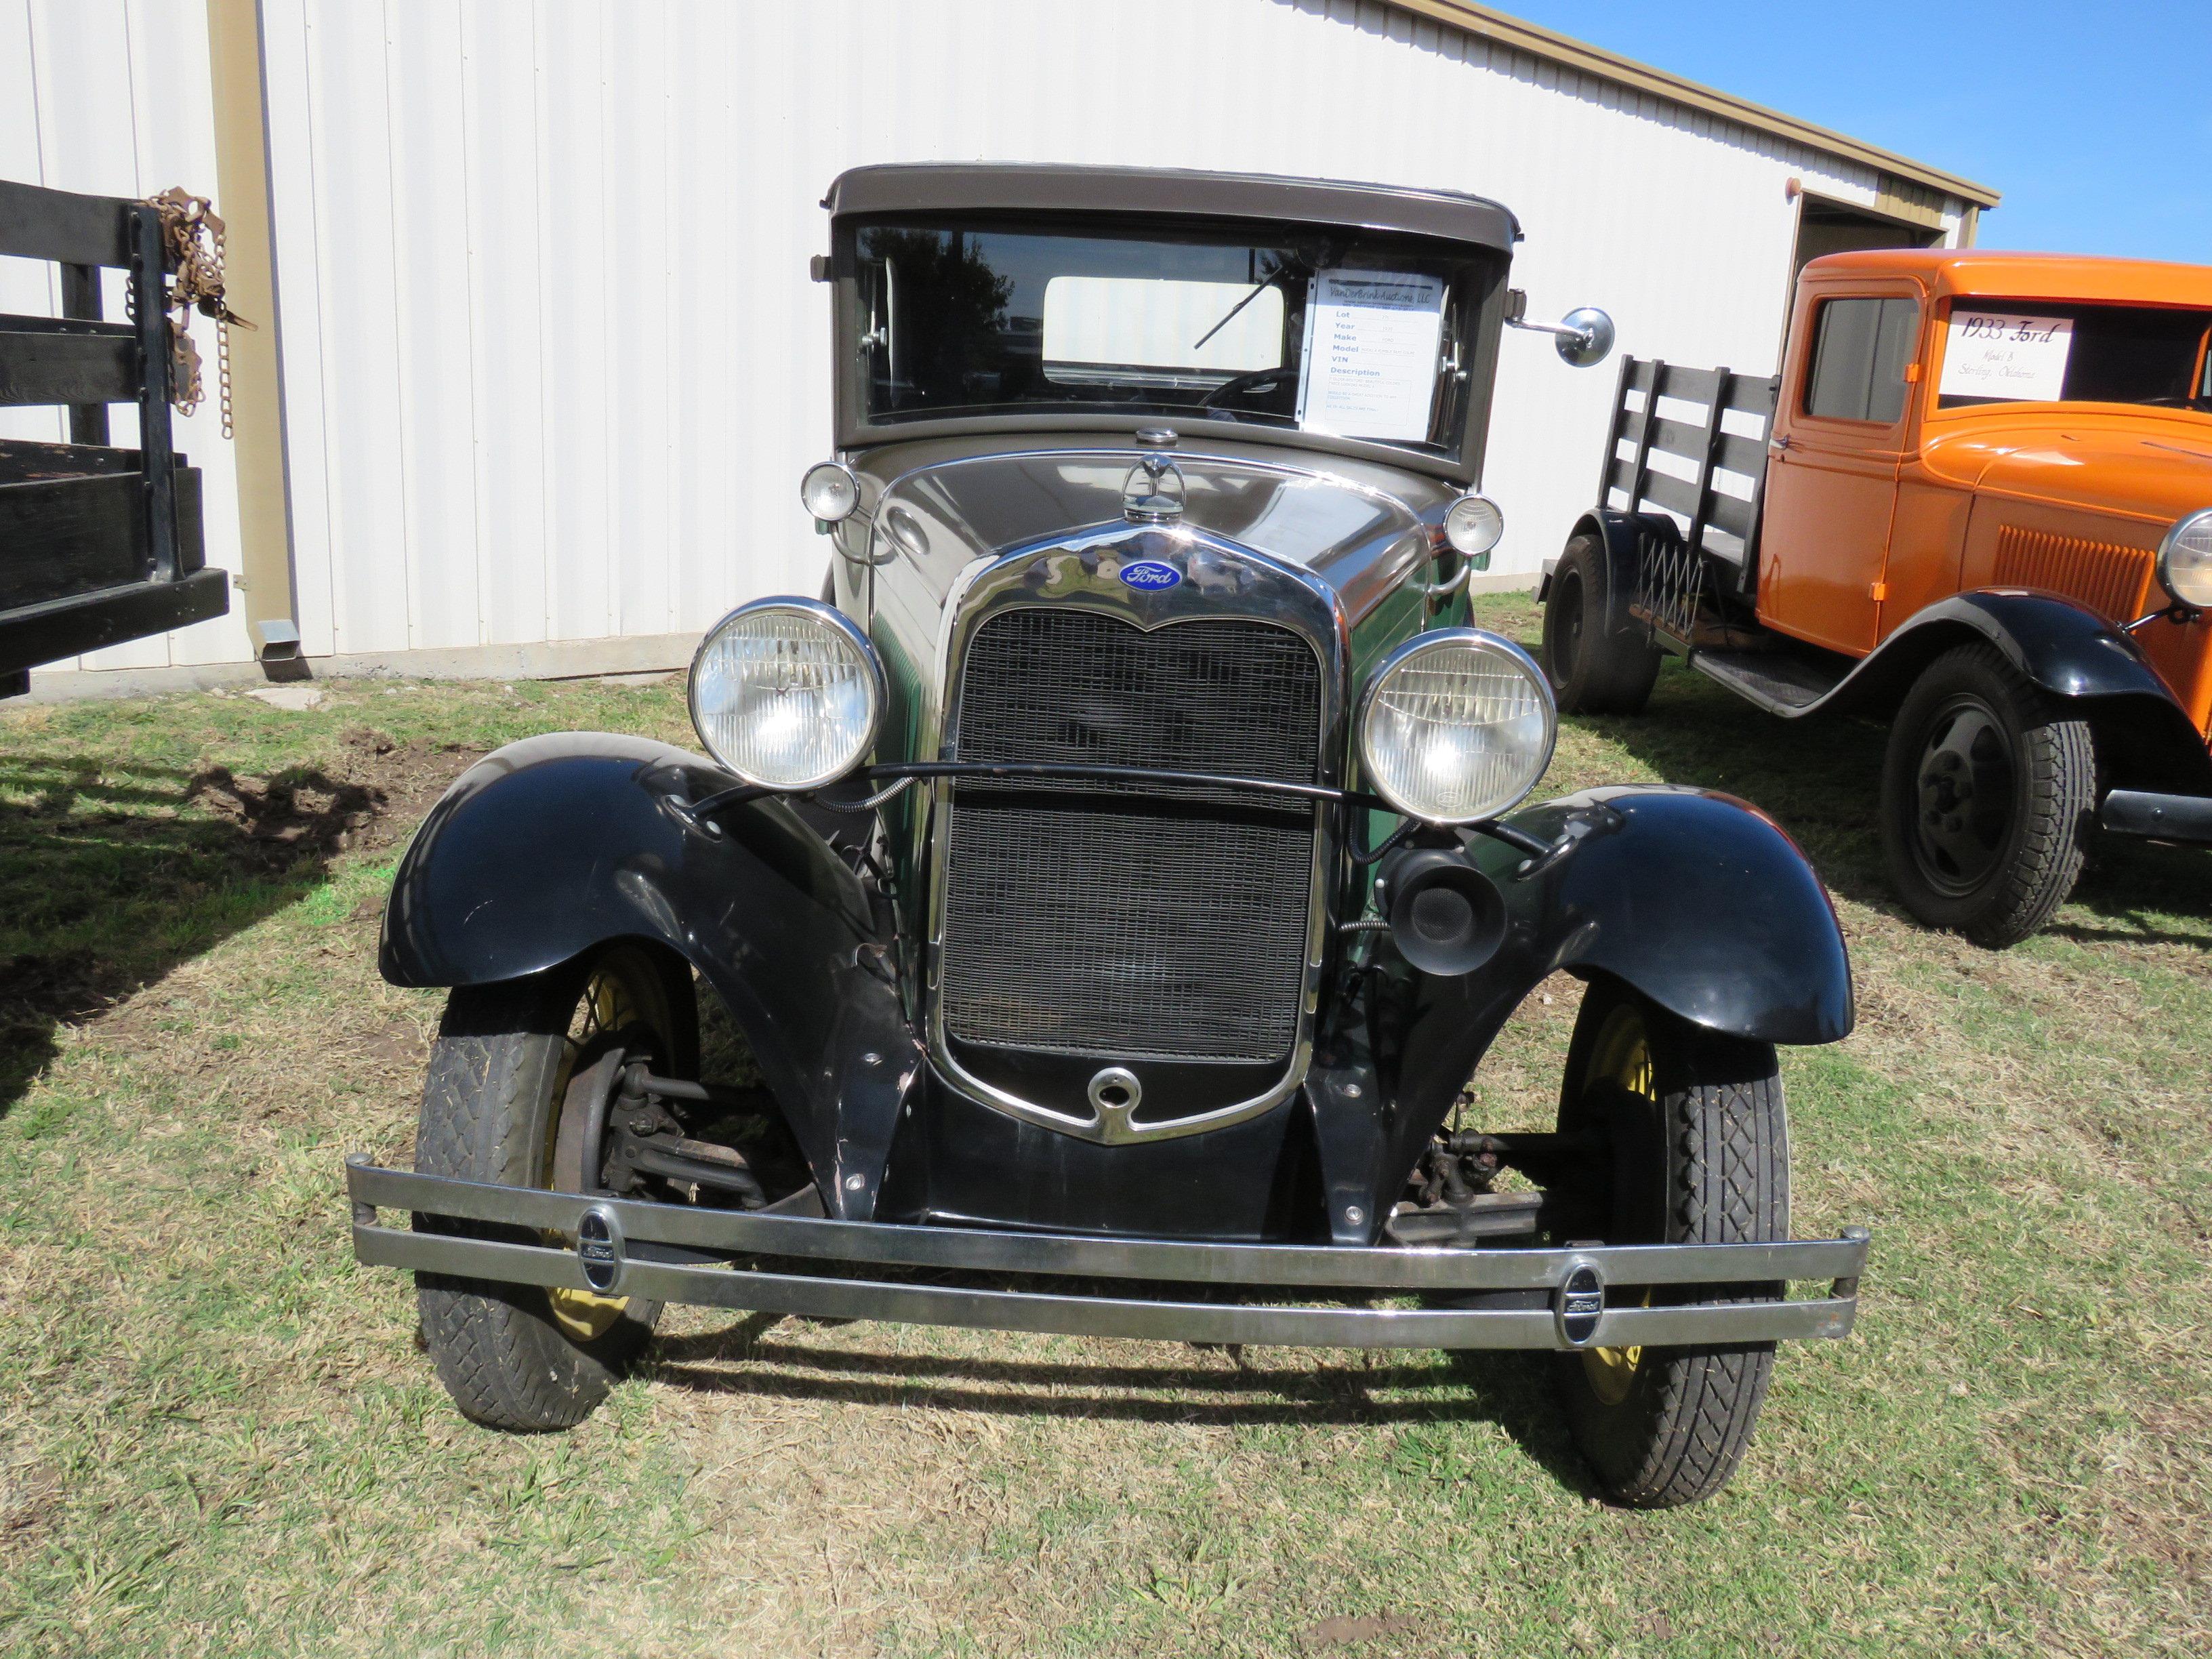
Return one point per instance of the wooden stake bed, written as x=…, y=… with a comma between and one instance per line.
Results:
x=98, y=544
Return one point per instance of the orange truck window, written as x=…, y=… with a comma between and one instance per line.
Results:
x=1860, y=350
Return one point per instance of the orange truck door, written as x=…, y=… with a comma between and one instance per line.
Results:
x=1839, y=441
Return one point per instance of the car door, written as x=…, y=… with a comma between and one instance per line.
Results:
x=1831, y=478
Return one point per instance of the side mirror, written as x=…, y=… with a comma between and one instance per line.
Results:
x=1591, y=342
x=1585, y=336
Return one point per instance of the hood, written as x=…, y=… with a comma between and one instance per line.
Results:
x=1360, y=529
x=2153, y=470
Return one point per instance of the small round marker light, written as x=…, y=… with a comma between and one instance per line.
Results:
x=829, y=491
x=2184, y=561
x=1474, y=526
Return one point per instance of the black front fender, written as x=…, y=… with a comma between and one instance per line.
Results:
x=556, y=844
x=1694, y=899
x=2145, y=739
x=1697, y=899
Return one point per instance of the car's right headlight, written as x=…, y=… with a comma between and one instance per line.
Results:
x=2184, y=560
x=1457, y=726
x=786, y=693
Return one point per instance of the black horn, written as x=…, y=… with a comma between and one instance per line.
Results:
x=1446, y=918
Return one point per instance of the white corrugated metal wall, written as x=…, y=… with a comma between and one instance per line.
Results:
x=552, y=365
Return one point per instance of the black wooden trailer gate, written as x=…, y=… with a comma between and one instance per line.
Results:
x=97, y=545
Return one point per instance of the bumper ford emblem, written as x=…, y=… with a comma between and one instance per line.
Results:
x=599, y=1248
x=1578, y=1304
x=1149, y=575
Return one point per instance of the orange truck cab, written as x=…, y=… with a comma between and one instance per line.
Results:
x=1977, y=503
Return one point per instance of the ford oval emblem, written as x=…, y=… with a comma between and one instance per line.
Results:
x=1149, y=576
x=599, y=1248
x=1578, y=1304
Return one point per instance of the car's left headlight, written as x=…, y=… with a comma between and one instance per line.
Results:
x=786, y=693
x=1457, y=726
x=2184, y=560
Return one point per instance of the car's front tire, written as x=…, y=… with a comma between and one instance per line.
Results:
x=1695, y=1151
x=510, y=1065
x=1987, y=791
x=1594, y=669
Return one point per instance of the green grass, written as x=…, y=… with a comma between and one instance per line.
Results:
x=218, y=1435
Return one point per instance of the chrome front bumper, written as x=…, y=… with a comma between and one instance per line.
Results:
x=1592, y=1296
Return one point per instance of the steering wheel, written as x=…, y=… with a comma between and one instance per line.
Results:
x=1248, y=381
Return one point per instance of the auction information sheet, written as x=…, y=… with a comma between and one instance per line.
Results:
x=1370, y=354
x=1995, y=354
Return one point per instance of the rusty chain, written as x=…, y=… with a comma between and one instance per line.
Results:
x=195, y=235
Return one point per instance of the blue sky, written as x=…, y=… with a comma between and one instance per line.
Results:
x=2093, y=119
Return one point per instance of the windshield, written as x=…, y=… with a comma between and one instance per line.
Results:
x=2046, y=351
x=1327, y=331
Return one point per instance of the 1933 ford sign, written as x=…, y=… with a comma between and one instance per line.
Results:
x=1149, y=575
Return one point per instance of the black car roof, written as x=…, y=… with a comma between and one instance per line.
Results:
x=965, y=186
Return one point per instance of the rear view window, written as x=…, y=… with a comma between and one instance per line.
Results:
x=1098, y=328
x=1860, y=349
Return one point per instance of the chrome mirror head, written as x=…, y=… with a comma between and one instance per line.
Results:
x=1586, y=337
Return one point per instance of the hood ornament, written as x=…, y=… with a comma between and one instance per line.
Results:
x=1153, y=491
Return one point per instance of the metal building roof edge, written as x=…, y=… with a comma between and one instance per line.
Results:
x=1497, y=27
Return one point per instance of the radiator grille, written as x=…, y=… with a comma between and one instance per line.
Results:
x=1132, y=920
x=2110, y=579
x=1237, y=697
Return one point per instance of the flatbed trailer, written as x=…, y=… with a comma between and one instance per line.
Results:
x=98, y=543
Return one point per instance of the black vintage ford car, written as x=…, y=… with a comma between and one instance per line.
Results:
x=1116, y=873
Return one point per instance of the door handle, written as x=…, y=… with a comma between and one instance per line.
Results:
x=1782, y=442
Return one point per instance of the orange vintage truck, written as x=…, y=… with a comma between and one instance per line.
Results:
x=1977, y=503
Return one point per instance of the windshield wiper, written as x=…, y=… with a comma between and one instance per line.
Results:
x=1264, y=283
x=1298, y=262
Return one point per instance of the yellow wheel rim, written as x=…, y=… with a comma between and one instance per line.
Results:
x=609, y=1003
x=1623, y=1059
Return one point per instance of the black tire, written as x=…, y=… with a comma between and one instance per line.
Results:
x=1594, y=670
x=1697, y=1151
x=514, y=1356
x=1987, y=790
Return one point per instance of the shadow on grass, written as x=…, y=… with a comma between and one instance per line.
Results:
x=2138, y=892
x=113, y=871
x=1512, y=1390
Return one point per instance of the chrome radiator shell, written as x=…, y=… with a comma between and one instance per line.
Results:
x=1222, y=582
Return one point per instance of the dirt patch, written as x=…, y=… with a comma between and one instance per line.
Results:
x=1346, y=1631
x=145, y=886
x=370, y=796
x=408, y=776
x=304, y=812
x=396, y=1048
x=30, y=1501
